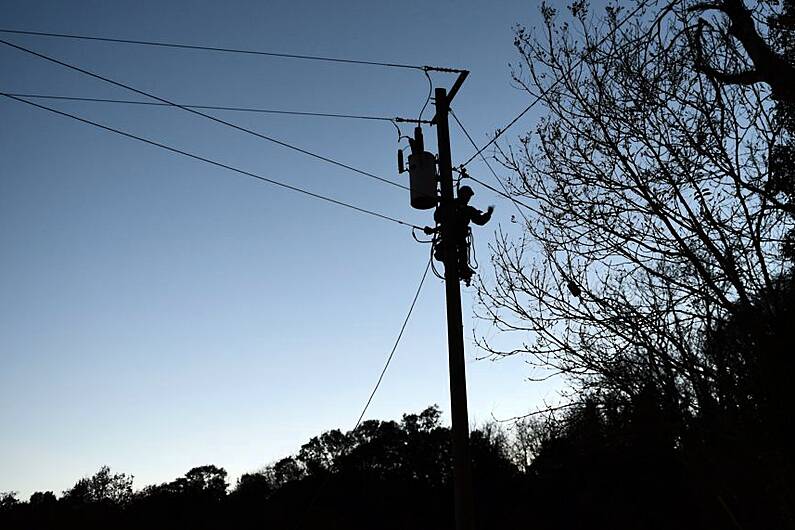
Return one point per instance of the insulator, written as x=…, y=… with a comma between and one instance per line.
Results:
x=419, y=141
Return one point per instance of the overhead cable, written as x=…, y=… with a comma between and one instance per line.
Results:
x=300, y=522
x=394, y=347
x=506, y=194
x=208, y=107
x=222, y=50
x=215, y=163
x=428, y=99
x=204, y=115
x=557, y=81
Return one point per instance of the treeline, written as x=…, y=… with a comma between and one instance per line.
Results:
x=383, y=474
x=609, y=460
x=612, y=459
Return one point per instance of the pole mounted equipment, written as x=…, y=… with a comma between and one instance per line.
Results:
x=423, y=177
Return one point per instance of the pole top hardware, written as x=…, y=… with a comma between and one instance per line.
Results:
x=443, y=69
x=453, y=90
x=412, y=120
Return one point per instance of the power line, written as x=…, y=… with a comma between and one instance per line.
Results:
x=543, y=94
x=500, y=193
x=319, y=491
x=215, y=163
x=222, y=50
x=208, y=116
x=506, y=194
x=394, y=347
x=428, y=99
x=207, y=107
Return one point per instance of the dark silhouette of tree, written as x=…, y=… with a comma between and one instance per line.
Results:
x=782, y=154
x=41, y=510
x=644, y=189
x=384, y=474
x=8, y=499
x=319, y=454
x=195, y=499
x=609, y=462
x=103, y=487
x=747, y=57
x=749, y=46
x=42, y=499
x=207, y=483
x=394, y=473
x=654, y=267
x=748, y=421
x=286, y=470
x=253, y=488
x=606, y=466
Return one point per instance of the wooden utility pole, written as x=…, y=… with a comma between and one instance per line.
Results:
x=462, y=467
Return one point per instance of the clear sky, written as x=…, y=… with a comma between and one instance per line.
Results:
x=158, y=313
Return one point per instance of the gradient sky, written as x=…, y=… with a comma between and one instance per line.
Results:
x=158, y=313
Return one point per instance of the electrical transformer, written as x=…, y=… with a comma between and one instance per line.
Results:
x=422, y=173
x=422, y=180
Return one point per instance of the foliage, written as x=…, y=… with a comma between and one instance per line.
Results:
x=650, y=220
x=103, y=487
x=8, y=499
x=337, y=479
x=42, y=499
x=654, y=267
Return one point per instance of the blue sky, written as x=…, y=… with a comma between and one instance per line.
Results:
x=159, y=313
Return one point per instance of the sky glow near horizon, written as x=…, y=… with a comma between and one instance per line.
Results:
x=159, y=313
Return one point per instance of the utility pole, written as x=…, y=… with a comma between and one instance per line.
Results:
x=423, y=179
x=462, y=466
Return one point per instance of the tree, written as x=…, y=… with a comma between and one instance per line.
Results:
x=103, y=487
x=8, y=499
x=288, y=469
x=252, y=487
x=319, y=454
x=749, y=423
x=205, y=482
x=652, y=269
x=757, y=48
x=385, y=474
x=643, y=190
x=42, y=499
x=747, y=57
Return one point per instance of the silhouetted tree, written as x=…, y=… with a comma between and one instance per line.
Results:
x=207, y=483
x=8, y=499
x=103, y=487
x=746, y=46
x=319, y=454
x=288, y=469
x=42, y=499
x=782, y=154
x=748, y=422
x=647, y=222
x=253, y=487
x=658, y=195
x=601, y=464
x=739, y=52
x=528, y=434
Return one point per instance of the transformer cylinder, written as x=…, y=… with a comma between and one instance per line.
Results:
x=422, y=180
